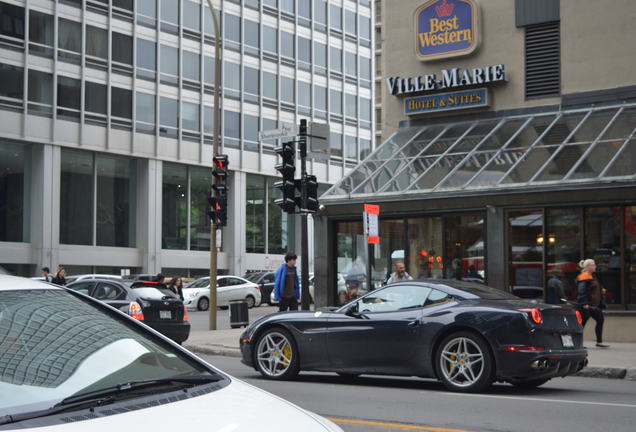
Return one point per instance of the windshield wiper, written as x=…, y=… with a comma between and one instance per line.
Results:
x=108, y=395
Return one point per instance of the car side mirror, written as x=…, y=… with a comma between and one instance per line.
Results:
x=352, y=310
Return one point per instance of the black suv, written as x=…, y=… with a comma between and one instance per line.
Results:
x=150, y=302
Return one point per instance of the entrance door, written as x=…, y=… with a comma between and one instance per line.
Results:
x=525, y=253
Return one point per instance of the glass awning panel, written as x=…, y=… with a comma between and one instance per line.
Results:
x=578, y=146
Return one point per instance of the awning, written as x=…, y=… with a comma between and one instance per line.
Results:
x=524, y=152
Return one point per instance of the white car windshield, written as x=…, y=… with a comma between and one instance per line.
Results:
x=54, y=345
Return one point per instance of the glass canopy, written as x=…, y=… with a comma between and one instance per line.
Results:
x=594, y=145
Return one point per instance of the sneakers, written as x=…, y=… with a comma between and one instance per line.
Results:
x=602, y=345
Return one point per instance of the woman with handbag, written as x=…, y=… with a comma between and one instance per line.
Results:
x=590, y=298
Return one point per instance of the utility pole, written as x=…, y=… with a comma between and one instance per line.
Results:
x=215, y=151
x=304, y=241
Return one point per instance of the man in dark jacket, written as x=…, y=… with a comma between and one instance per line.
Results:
x=287, y=285
x=589, y=297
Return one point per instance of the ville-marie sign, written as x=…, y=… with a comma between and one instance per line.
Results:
x=446, y=28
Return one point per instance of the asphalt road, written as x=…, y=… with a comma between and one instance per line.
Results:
x=199, y=320
x=396, y=404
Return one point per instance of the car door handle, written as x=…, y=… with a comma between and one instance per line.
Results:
x=413, y=323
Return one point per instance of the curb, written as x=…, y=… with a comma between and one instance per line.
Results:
x=589, y=371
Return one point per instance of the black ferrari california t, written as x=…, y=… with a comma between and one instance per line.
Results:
x=465, y=334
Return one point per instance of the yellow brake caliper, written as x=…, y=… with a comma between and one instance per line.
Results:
x=287, y=354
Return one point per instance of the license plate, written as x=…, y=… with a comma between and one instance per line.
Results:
x=165, y=314
x=567, y=341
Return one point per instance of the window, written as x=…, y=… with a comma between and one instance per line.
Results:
x=270, y=39
x=192, y=15
x=320, y=11
x=200, y=181
x=365, y=148
x=96, y=42
x=603, y=245
x=251, y=80
x=95, y=97
x=175, y=195
x=351, y=22
x=287, y=6
x=40, y=87
x=11, y=81
x=351, y=60
x=304, y=94
x=147, y=8
x=232, y=77
x=320, y=97
x=436, y=298
x=270, y=85
x=304, y=8
x=170, y=11
x=365, y=109
x=41, y=28
x=190, y=118
x=252, y=34
x=272, y=3
x=365, y=27
x=250, y=129
x=77, y=188
x=106, y=291
x=169, y=115
x=269, y=124
x=335, y=15
x=350, y=149
x=394, y=298
x=232, y=128
x=543, y=60
x=69, y=35
x=280, y=225
x=256, y=218
x=145, y=112
x=15, y=193
x=208, y=70
x=123, y=4
x=191, y=66
x=351, y=105
x=335, y=102
x=365, y=68
x=121, y=102
x=287, y=44
x=320, y=54
x=68, y=92
x=12, y=22
x=335, y=58
x=146, y=57
x=304, y=49
x=287, y=90
x=169, y=64
x=208, y=120
x=335, y=144
x=232, y=28
x=122, y=48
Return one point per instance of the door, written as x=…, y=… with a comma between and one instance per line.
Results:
x=380, y=333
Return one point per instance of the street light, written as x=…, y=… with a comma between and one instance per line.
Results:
x=215, y=151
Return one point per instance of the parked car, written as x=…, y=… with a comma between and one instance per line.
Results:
x=342, y=289
x=265, y=280
x=73, y=278
x=151, y=303
x=81, y=365
x=140, y=276
x=197, y=294
x=273, y=301
x=467, y=335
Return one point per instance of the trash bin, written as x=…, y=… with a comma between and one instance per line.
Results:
x=239, y=315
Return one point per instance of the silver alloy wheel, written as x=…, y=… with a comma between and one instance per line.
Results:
x=203, y=304
x=462, y=362
x=251, y=301
x=274, y=354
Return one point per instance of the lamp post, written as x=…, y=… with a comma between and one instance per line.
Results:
x=215, y=151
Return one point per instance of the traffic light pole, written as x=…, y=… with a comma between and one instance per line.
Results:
x=304, y=241
x=215, y=151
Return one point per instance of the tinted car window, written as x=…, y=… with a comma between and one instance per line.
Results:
x=476, y=290
x=106, y=291
x=234, y=281
x=68, y=346
x=394, y=298
x=82, y=287
x=153, y=293
x=254, y=277
x=437, y=297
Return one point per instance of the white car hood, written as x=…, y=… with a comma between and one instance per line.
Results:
x=235, y=408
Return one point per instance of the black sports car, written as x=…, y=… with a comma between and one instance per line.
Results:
x=465, y=334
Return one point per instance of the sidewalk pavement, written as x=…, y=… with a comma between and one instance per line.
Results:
x=618, y=361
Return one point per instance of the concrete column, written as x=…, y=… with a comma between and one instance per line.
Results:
x=45, y=207
x=149, y=207
x=234, y=233
x=495, y=245
x=324, y=274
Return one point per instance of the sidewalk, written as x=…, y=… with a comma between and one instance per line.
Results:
x=618, y=361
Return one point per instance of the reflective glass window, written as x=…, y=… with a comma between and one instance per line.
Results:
x=335, y=16
x=365, y=27
x=255, y=214
x=169, y=60
x=365, y=109
x=41, y=28
x=121, y=102
x=15, y=193
x=272, y=3
x=146, y=107
x=365, y=68
x=250, y=131
x=68, y=92
x=96, y=42
x=122, y=48
x=270, y=85
x=41, y=87
x=320, y=11
x=69, y=35
x=77, y=188
x=304, y=8
x=525, y=233
x=191, y=66
x=95, y=97
x=335, y=58
x=208, y=69
x=270, y=39
x=563, y=251
x=232, y=128
x=232, y=28
x=169, y=112
x=304, y=49
x=351, y=261
x=251, y=80
x=365, y=148
x=630, y=254
x=174, y=205
x=320, y=54
x=320, y=97
x=146, y=56
x=123, y=4
x=304, y=93
x=287, y=90
x=12, y=22
x=335, y=102
x=232, y=75
x=11, y=81
x=287, y=44
x=147, y=8
x=200, y=181
x=335, y=143
x=464, y=247
x=190, y=117
x=351, y=63
x=351, y=22
x=192, y=15
x=351, y=150
x=252, y=33
x=170, y=11
x=288, y=6
x=603, y=245
x=208, y=120
x=351, y=105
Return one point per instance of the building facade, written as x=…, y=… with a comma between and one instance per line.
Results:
x=106, y=126
x=513, y=155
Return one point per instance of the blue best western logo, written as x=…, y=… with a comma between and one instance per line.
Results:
x=445, y=28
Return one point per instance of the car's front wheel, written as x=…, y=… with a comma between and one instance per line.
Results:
x=529, y=384
x=276, y=355
x=203, y=304
x=251, y=301
x=464, y=363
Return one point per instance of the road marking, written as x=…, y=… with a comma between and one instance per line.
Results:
x=395, y=425
x=610, y=404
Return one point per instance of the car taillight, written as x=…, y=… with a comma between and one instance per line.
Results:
x=579, y=317
x=134, y=310
x=514, y=348
x=185, y=314
x=535, y=315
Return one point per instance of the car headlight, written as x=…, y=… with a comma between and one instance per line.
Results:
x=192, y=294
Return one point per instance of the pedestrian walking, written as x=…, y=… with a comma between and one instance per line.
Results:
x=400, y=273
x=60, y=276
x=287, y=285
x=46, y=273
x=590, y=298
x=556, y=291
x=176, y=286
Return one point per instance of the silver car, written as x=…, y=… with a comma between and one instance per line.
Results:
x=196, y=295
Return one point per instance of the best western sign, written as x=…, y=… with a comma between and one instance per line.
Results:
x=446, y=28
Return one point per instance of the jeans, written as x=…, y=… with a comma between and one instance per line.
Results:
x=597, y=315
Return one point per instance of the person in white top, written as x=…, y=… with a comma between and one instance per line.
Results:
x=400, y=274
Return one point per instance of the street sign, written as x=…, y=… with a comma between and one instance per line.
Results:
x=371, y=223
x=285, y=130
x=318, y=134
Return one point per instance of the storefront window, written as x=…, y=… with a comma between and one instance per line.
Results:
x=563, y=249
x=116, y=201
x=389, y=252
x=526, y=253
x=351, y=261
x=200, y=181
x=15, y=192
x=425, y=258
x=174, y=206
x=603, y=245
x=630, y=255
x=464, y=251
x=76, y=198
x=255, y=214
x=280, y=225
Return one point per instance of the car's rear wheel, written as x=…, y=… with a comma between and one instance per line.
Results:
x=528, y=384
x=251, y=301
x=276, y=355
x=464, y=363
x=203, y=304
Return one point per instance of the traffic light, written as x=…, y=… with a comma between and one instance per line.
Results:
x=310, y=193
x=287, y=168
x=219, y=192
